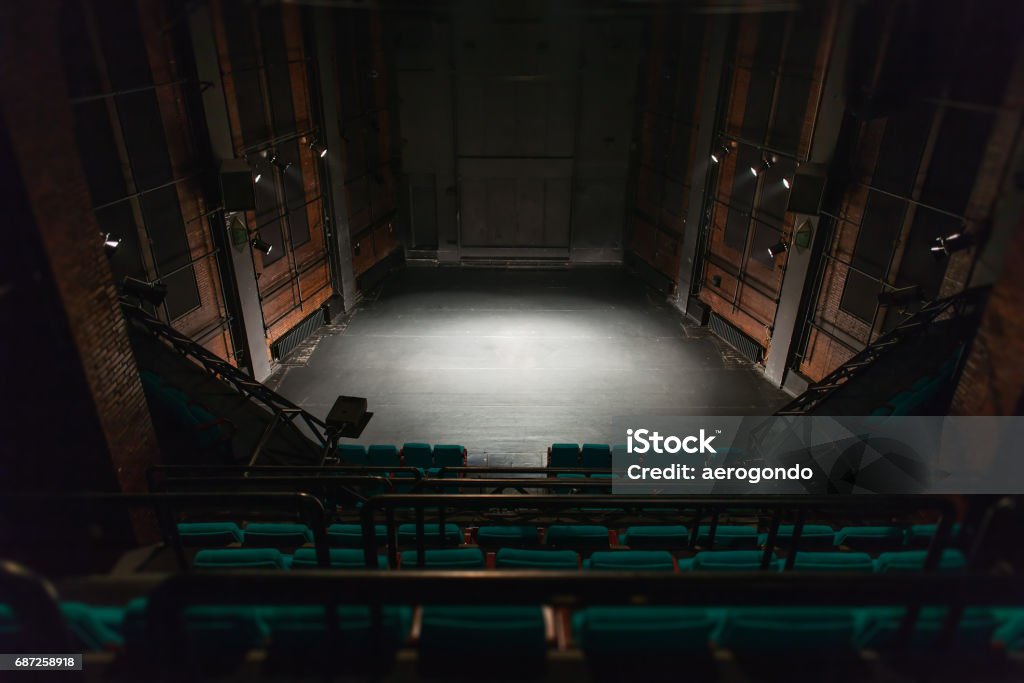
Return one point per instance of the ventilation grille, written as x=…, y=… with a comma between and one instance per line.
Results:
x=724, y=330
x=295, y=336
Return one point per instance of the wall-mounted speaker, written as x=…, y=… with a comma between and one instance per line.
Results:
x=807, y=193
x=236, y=186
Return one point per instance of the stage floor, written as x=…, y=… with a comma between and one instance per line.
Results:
x=506, y=362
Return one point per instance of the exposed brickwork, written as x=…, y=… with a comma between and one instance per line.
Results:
x=42, y=126
x=747, y=291
x=829, y=348
x=182, y=148
x=992, y=382
x=294, y=286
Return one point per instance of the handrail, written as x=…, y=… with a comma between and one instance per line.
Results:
x=176, y=657
x=165, y=505
x=33, y=601
x=929, y=312
x=699, y=505
x=281, y=408
x=324, y=488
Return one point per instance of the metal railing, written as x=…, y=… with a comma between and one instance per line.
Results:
x=283, y=411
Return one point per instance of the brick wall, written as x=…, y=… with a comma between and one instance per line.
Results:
x=42, y=131
x=836, y=334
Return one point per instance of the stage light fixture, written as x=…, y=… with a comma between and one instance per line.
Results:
x=317, y=148
x=152, y=293
x=950, y=244
x=778, y=248
x=720, y=153
x=275, y=159
x=259, y=175
x=261, y=246
x=786, y=183
x=110, y=243
x=766, y=163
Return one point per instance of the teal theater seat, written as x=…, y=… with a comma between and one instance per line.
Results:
x=727, y=560
x=456, y=558
x=418, y=455
x=805, y=631
x=340, y=558
x=811, y=536
x=869, y=537
x=913, y=561
x=596, y=455
x=564, y=455
x=380, y=455
x=632, y=560
x=276, y=535
x=221, y=635
x=209, y=534
x=353, y=454
x=351, y=535
x=508, y=536
x=448, y=455
x=879, y=629
x=462, y=642
x=920, y=535
x=516, y=558
x=240, y=558
x=833, y=562
x=728, y=536
x=300, y=645
x=431, y=534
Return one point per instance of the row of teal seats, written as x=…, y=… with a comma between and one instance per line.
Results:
x=615, y=560
x=579, y=536
x=592, y=455
x=736, y=536
x=294, y=535
x=169, y=403
x=421, y=455
x=294, y=635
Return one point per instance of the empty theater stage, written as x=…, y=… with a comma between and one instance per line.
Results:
x=506, y=362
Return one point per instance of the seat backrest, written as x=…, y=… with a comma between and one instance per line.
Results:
x=449, y=455
x=913, y=561
x=778, y=629
x=209, y=534
x=353, y=454
x=564, y=455
x=418, y=455
x=455, y=558
x=239, y=558
x=516, y=558
x=730, y=560
x=383, y=455
x=596, y=455
x=833, y=562
x=276, y=535
x=340, y=558
x=632, y=560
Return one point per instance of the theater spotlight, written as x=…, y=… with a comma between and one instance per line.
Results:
x=944, y=246
x=261, y=246
x=150, y=292
x=777, y=248
x=110, y=243
x=902, y=296
x=317, y=148
x=766, y=163
x=276, y=160
x=721, y=153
